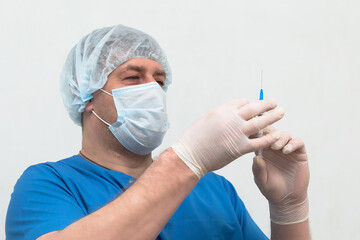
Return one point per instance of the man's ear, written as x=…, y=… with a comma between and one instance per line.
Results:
x=89, y=106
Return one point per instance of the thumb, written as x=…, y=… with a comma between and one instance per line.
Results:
x=259, y=171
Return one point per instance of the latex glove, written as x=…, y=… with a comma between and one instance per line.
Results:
x=222, y=135
x=282, y=175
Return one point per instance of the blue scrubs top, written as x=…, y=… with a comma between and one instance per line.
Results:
x=51, y=196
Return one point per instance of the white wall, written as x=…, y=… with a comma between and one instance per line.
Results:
x=309, y=51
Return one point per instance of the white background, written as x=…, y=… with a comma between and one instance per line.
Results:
x=309, y=51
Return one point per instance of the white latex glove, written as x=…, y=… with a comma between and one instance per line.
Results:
x=222, y=135
x=282, y=175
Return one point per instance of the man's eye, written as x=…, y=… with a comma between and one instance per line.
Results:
x=161, y=83
x=133, y=77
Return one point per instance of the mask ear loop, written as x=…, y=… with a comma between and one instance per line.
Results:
x=100, y=118
x=105, y=92
x=98, y=115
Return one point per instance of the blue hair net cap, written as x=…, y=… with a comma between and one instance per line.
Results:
x=90, y=62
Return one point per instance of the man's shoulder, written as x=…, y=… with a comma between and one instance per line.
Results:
x=46, y=169
x=220, y=182
x=214, y=177
x=215, y=180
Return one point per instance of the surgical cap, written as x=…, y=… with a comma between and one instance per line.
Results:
x=90, y=62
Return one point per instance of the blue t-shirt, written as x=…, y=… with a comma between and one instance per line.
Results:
x=51, y=196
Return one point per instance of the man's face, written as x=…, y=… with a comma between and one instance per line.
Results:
x=133, y=72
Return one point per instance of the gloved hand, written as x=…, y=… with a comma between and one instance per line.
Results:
x=282, y=175
x=222, y=135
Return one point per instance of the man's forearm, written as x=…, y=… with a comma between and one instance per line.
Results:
x=298, y=231
x=143, y=210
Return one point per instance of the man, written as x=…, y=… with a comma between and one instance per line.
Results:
x=113, y=84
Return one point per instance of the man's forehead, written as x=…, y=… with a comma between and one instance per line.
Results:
x=142, y=65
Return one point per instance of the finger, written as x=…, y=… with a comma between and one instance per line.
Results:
x=259, y=171
x=263, y=142
x=238, y=102
x=295, y=144
x=267, y=130
x=258, y=123
x=284, y=139
x=253, y=109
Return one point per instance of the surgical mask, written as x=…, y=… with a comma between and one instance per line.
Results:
x=142, y=119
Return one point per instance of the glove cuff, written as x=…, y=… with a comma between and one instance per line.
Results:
x=181, y=150
x=289, y=212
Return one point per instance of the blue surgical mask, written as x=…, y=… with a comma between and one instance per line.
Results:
x=142, y=119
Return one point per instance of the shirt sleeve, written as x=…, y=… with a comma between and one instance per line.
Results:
x=250, y=229
x=40, y=203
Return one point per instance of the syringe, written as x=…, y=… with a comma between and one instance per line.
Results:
x=261, y=87
x=261, y=98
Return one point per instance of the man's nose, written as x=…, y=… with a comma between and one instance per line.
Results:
x=149, y=79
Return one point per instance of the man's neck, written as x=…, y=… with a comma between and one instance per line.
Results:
x=120, y=160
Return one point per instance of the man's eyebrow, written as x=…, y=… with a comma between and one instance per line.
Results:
x=135, y=68
x=159, y=72
x=141, y=69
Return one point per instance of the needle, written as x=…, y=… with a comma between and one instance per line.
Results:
x=261, y=98
x=261, y=87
